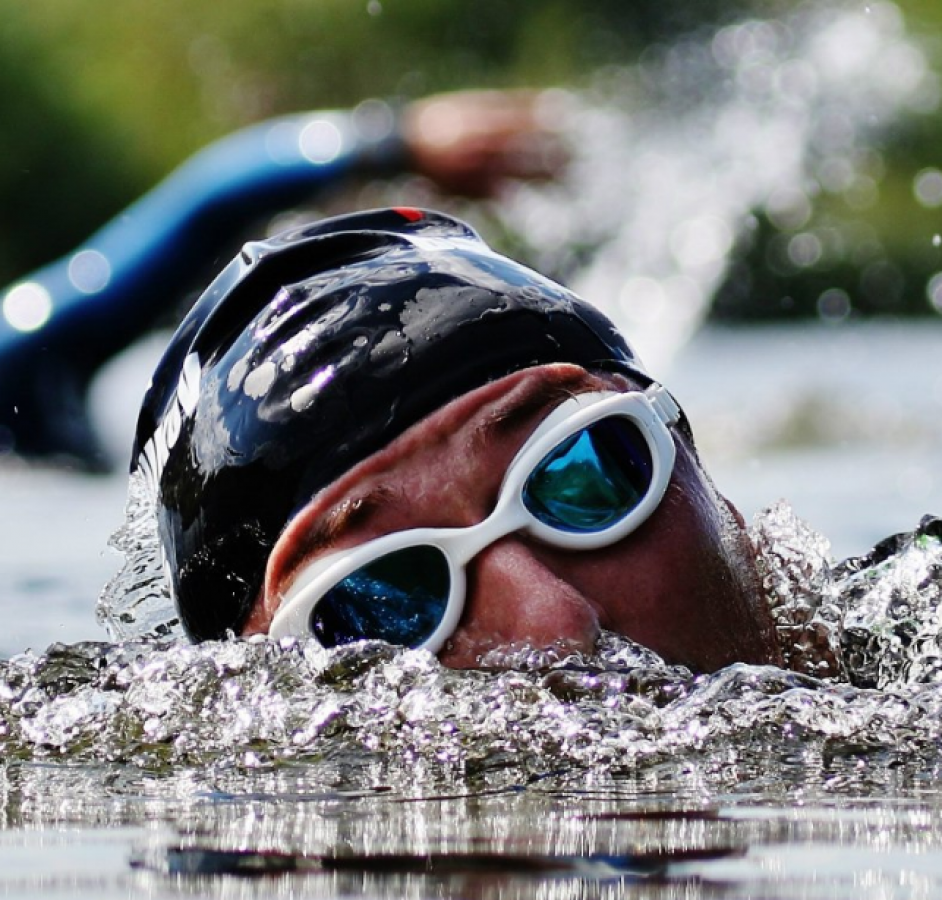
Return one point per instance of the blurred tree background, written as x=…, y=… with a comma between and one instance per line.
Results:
x=99, y=100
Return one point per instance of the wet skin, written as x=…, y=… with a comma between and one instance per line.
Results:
x=683, y=584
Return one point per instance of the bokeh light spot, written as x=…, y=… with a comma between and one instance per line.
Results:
x=862, y=193
x=788, y=209
x=27, y=306
x=89, y=271
x=834, y=305
x=927, y=186
x=320, y=141
x=934, y=292
x=374, y=119
x=804, y=249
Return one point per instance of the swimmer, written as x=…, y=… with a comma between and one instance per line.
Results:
x=59, y=325
x=376, y=427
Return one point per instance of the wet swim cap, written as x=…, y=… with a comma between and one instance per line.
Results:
x=310, y=352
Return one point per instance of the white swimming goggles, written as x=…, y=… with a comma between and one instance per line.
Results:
x=591, y=473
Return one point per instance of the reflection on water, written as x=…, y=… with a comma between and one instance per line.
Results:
x=652, y=837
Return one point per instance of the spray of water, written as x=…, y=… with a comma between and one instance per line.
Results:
x=674, y=156
x=865, y=639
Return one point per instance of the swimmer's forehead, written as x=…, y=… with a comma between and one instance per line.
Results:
x=493, y=411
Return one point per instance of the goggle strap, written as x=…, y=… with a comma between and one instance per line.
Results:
x=666, y=407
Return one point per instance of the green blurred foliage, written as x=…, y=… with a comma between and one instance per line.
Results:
x=99, y=99
x=63, y=169
x=879, y=251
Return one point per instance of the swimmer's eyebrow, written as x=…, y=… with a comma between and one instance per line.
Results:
x=348, y=514
x=356, y=511
x=510, y=416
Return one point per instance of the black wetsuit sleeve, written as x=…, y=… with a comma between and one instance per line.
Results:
x=62, y=322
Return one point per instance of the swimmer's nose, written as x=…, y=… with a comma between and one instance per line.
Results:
x=514, y=600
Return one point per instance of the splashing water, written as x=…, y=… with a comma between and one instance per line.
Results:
x=673, y=156
x=136, y=603
x=862, y=640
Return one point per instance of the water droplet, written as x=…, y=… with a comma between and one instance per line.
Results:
x=937, y=240
x=258, y=382
x=374, y=8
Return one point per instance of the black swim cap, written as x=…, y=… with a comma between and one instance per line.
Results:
x=310, y=352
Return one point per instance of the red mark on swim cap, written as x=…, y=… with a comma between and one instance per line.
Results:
x=407, y=212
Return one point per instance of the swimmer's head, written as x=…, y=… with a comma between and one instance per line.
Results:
x=311, y=352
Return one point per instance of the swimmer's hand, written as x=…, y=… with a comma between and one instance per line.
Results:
x=471, y=142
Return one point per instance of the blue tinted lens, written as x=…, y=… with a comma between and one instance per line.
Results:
x=399, y=598
x=593, y=479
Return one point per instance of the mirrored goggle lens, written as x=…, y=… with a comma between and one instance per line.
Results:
x=400, y=598
x=593, y=479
